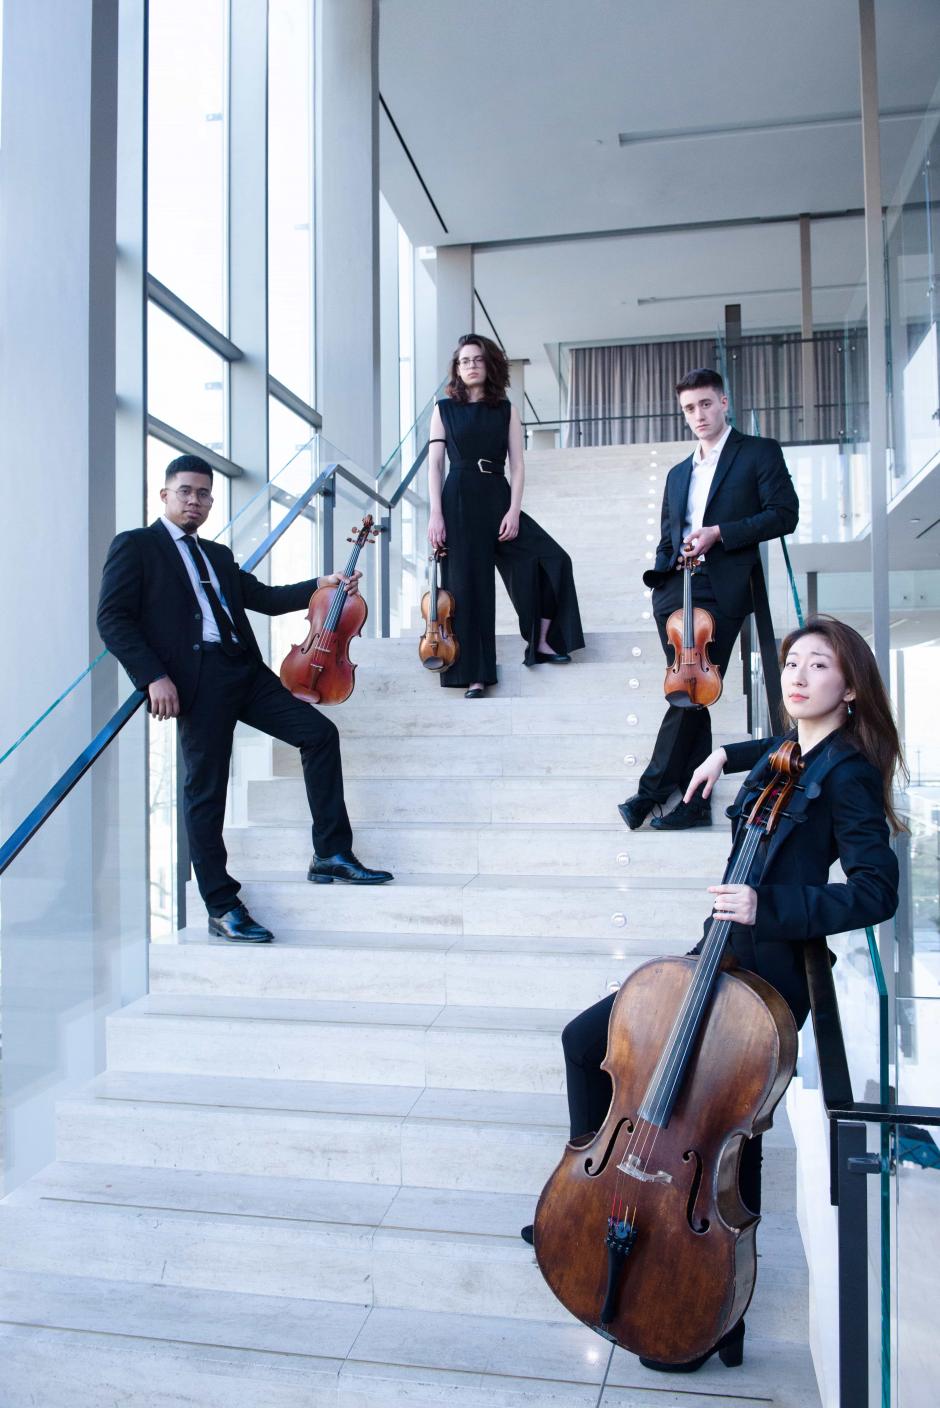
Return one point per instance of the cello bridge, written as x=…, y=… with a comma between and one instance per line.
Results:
x=633, y=1168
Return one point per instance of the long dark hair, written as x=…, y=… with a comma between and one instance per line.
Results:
x=497, y=370
x=870, y=725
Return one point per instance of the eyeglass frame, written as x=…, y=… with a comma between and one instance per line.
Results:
x=187, y=492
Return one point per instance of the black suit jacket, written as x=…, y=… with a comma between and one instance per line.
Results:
x=844, y=820
x=751, y=499
x=148, y=615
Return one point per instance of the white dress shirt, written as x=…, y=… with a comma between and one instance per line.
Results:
x=210, y=631
x=704, y=464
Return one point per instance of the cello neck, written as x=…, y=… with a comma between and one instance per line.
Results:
x=666, y=1081
x=339, y=593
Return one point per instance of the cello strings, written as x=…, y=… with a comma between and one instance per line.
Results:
x=666, y=1076
x=665, y=1081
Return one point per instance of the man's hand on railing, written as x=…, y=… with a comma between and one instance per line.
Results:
x=336, y=579
x=164, y=702
x=437, y=535
x=706, y=773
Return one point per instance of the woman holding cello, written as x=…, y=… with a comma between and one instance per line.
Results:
x=478, y=514
x=849, y=754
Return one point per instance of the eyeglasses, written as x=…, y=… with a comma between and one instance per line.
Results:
x=185, y=491
x=472, y=362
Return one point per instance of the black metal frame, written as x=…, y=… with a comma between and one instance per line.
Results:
x=850, y=1164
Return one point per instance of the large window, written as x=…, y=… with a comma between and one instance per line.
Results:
x=290, y=194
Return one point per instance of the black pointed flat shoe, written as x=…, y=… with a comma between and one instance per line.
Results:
x=528, y=1234
x=545, y=657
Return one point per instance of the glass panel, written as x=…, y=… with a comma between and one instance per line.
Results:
x=186, y=381
x=74, y=911
x=290, y=194
x=186, y=150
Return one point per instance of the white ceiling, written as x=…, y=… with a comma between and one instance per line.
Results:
x=512, y=108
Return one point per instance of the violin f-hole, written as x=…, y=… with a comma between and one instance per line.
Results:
x=588, y=1163
x=703, y=1226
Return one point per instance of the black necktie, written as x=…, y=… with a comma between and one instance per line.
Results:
x=227, y=636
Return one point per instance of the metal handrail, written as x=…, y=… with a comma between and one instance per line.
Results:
x=73, y=774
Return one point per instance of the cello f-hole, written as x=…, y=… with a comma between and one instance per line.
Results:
x=703, y=1226
x=593, y=1172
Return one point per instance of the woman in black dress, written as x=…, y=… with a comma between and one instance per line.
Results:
x=478, y=514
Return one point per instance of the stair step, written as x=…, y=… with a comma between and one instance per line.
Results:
x=468, y=1140
x=389, y=798
x=473, y=1048
x=74, y=1342
x=485, y=970
x=497, y=849
x=412, y=1248
x=592, y=906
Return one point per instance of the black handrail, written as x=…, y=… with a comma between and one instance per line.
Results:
x=74, y=773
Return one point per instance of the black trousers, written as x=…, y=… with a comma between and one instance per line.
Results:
x=685, y=735
x=584, y=1041
x=242, y=689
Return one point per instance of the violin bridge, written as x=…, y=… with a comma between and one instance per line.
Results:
x=633, y=1168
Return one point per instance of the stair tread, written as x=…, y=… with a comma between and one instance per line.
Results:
x=277, y=1334
x=508, y=945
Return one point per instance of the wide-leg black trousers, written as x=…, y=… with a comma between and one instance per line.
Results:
x=241, y=689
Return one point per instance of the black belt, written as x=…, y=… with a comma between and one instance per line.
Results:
x=497, y=466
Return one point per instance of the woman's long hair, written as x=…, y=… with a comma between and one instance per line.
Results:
x=870, y=725
x=497, y=370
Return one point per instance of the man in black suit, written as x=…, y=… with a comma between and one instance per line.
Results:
x=733, y=492
x=172, y=610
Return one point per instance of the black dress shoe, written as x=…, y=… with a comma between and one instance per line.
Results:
x=477, y=692
x=545, y=657
x=730, y=1350
x=239, y=927
x=323, y=870
x=683, y=817
x=528, y=1234
x=635, y=810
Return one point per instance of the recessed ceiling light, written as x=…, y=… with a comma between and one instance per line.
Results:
x=915, y=520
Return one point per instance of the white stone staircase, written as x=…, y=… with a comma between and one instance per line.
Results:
x=301, y=1178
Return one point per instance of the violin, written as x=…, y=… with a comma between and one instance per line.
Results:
x=692, y=681
x=319, y=670
x=641, y=1231
x=438, y=648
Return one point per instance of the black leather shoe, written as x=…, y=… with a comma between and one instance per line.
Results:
x=545, y=657
x=477, y=692
x=635, y=810
x=683, y=817
x=528, y=1234
x=323, y=870
x=239, y=927
x=730, y=1350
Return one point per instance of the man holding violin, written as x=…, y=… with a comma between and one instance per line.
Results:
x=172, y=610
x=732, y=493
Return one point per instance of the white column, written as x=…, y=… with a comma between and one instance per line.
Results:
x=347, y=226
x=517, y=384
x=454, y=299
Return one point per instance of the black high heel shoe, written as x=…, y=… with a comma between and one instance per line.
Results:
x=730, y=1350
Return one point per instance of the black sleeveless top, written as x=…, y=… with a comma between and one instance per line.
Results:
x=476, y=431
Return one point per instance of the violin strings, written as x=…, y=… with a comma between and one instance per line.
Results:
x=683, y=1028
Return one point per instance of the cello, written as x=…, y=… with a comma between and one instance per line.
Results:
x=641, y=1231
x=438, y=648
x=319, y=670
x=692, y=681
